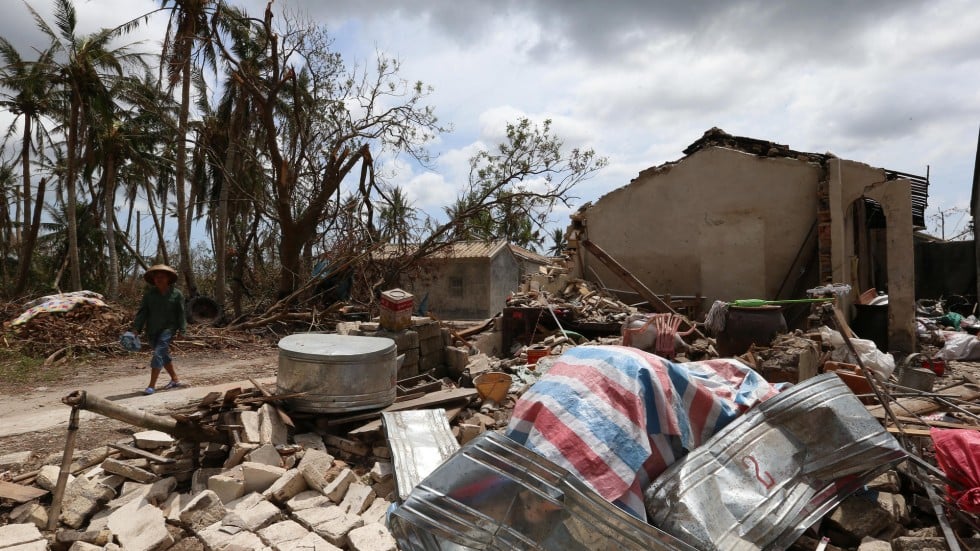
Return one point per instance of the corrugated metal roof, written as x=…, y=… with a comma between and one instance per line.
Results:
x=463, y=249
x=522, y=253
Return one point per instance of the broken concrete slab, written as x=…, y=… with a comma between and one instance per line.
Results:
x=203, y=510
x=306, y=500
x=82, y=499
x=358, y=498
x=259, y=477
x=336, y=489
x=382, y=471
x=155, y=493
x=239, y=451
x=310, y=441
x=265, y=454
x=289, y=484
x=251, y=512
x=228, y=488
x=314, y=516
x=376, y=512
x=31, y=512
x=336, y=529
x=857, y=518
x=311, y=542
x=271, y=428
x=199, y=482
x=15, y=459
x=152, y=440
x=314, y=466
x=371, y=537
x=129, y=470
x=282, y=532
x=251, y=431
x=20, y=534
x=139, y=526
x=47, y=477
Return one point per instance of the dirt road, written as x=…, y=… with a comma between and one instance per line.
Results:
x=35, y=419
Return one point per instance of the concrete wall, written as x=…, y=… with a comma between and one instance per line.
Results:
x=467, y=288
x=722, y=223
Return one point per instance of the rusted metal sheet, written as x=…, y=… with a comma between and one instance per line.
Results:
x=496, y=494
x=420, y=440
x=767, y=476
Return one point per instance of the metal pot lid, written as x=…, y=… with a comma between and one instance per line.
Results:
x=328, y=346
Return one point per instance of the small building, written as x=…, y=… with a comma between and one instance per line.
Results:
x=743, y=218
x=469, y=280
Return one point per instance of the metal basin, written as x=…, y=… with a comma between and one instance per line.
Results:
x=338, y=373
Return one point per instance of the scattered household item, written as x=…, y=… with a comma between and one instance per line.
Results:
x=492, y=385
x=536, y=352
x=748, y=325
x=396, y=309
x=957, y=452
x=880, y=362
x=656, y=333
x=959, y=346
x=853, y=378
x=58, y=303
x=763, y=479
x=917, y=377
x=130, y=342
x=871, y=322
x=337, y=373
x=202, y=310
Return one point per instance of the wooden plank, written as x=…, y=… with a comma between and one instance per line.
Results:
x=209, y=399
x=908, y=431
x=143, y=453
x=19, y=493
x=617, y=268
x=428, y=401
x=922, y=406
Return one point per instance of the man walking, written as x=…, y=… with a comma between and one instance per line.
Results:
x=162, y=314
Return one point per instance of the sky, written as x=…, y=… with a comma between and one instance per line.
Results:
x=892, y=83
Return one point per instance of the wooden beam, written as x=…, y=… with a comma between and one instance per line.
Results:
x=631, y=280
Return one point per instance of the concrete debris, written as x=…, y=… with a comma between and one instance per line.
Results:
x=327, y=482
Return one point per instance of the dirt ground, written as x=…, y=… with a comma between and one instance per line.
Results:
x=121, y=379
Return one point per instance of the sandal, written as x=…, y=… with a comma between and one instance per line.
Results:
x=149, y=390
x=173, y=384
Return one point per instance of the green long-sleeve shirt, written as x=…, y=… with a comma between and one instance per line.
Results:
x=160, y=311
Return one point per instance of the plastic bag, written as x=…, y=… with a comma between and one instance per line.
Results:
x=130, y=341
x=880, y=362
x=960, y=346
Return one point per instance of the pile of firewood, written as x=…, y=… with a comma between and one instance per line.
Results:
x=86, y=327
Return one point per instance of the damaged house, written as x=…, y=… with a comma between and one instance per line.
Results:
x=745, y=218
x=468, y=280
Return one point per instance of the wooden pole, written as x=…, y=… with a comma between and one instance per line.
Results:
x=196, y=433
x=59, y=491
x=658, y=304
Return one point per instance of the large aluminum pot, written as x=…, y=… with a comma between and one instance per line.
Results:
x=338, y=373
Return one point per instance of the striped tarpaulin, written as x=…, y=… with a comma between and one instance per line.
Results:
x=617, y=417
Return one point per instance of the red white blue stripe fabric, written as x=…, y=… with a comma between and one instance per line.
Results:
x=617, y=417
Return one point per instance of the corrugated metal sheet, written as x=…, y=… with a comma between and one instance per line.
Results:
x=496, y=494
x=420, y=440
x=761, y=481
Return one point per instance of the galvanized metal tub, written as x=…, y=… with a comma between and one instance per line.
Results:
x=338, y=373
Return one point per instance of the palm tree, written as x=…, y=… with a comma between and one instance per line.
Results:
x=121, y=141
x=397, y=217
x=558, y=242
x=188, y=26
x=28, y=97
x=83, y=79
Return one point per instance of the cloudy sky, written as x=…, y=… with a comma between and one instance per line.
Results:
x=893, y=83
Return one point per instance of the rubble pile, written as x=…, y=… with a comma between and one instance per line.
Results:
x=578, y=300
